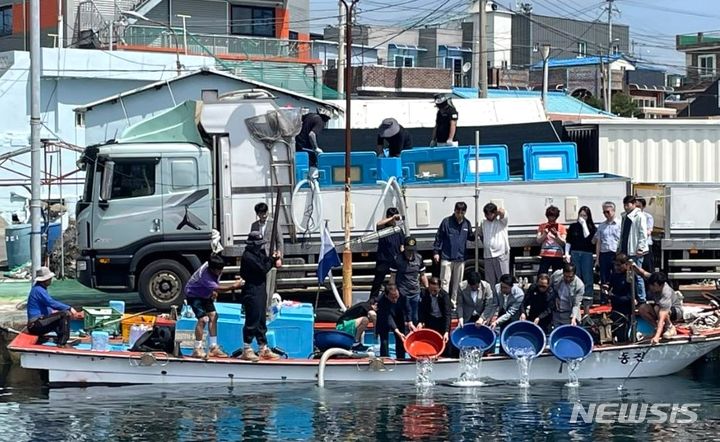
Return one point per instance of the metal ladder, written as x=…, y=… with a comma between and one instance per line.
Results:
x=282, y=183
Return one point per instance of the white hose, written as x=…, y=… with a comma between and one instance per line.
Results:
x=316, y=203
x=393, y=184
x=323, y=360
x=338, y=298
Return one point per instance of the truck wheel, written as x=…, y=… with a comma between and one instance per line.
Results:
x=161, y=283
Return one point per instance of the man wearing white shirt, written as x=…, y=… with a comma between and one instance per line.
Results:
x=648, y=265
x=496, y=246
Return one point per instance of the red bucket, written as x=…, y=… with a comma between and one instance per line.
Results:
x=424, y=343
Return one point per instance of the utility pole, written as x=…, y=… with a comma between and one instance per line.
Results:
x=35, y=127
x=545, y=49
x=61, y=26
x=480, y=49
x=526, y=8
x=341, y=51
x=608, y=95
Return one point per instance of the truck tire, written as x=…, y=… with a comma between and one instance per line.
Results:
x=161, y=284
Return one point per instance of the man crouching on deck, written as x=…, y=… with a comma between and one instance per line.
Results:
x=46, y=314
x=201, y=292
x=667, y=309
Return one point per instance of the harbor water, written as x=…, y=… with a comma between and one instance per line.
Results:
x=362, y=411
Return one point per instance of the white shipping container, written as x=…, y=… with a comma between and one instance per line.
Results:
x=660, y=151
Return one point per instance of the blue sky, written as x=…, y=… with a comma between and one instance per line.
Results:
x=653, y=23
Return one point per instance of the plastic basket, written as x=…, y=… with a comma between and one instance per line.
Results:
x=126, y=323
x=94, y=316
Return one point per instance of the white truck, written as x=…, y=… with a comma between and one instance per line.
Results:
x=153, y=199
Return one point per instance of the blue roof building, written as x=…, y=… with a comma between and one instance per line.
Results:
x=561, y=106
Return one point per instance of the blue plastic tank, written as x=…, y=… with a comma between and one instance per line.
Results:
x=363, y=168
x=432, y=165
x=291, y=330
x=492, y=164
x=17, y=244
x=550, y=161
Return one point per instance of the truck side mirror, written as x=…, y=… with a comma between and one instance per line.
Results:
x=107, y=180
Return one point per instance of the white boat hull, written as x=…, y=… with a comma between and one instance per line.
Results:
x=88, y=367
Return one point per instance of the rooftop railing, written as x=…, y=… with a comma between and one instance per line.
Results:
x=698, y=39
x=228, y=46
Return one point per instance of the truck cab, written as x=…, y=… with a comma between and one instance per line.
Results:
x=141, y=204
x=153, y=200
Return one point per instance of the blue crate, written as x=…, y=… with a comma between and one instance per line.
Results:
x=493, y=163
x=550, y=161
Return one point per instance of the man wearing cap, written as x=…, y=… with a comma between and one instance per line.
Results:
x=449, y=249
x=254, y=266
x=408, y=273
x=46, y=314
x=394, y=136
x=445, y=123
x=313, y=124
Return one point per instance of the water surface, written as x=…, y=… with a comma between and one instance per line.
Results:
x=363, y=411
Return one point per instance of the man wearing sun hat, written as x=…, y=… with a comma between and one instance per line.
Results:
x=46, y=314
x=393, y=136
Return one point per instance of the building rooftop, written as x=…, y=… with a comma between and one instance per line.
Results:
x=580, y=61
x=558, y=102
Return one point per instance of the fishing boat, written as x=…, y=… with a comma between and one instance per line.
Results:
x=81, y=365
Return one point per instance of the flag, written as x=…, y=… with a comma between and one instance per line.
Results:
x=329, y=257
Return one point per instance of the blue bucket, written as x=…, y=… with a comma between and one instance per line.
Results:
x=569, y=342
x=333, y=339
x=522, y=338
x=472, y=336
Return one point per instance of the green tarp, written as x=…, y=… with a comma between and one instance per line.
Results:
x=179, y=124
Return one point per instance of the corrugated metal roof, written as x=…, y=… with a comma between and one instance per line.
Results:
x=206, y=71
x=578, y=61
x=558, y=102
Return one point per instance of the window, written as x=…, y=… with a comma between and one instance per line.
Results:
x=184, y=174
x=582, y=49
x=133, y=179
x=404, y=61
x=6, y=21
x=615, y=49
x=455, y=64
x=645, y=101
x=332, y=63
x=251, y=20
x=706, y=65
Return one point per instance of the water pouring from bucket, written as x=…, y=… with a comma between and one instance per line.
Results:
x=424, y=345
x=472, y=341
x=523, y=341
x=571, y=344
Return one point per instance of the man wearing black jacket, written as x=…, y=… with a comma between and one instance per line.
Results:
x=536, y=306
x=254, y=266
x=435, y=309
x=391, y=314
